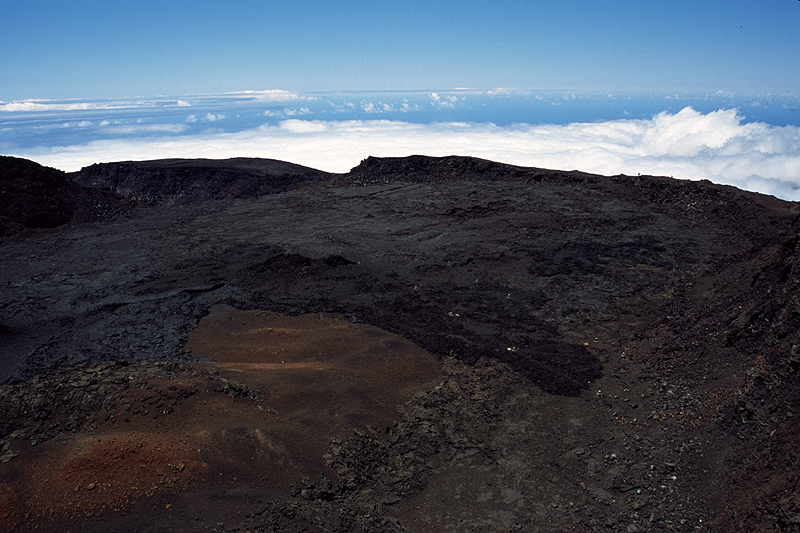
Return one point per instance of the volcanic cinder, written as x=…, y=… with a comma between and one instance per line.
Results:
x=421, y=344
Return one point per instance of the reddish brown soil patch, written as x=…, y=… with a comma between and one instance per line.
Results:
x=321, y=368
x=176, y=439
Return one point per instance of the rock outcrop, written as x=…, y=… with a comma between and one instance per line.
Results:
x=33, y=196
x=193, y=181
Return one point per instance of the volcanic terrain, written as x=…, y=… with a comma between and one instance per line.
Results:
x=421, y=344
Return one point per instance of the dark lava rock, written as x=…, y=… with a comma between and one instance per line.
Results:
x=424, y=169
x=192, y=181
x=618, y=352
x=35, y=196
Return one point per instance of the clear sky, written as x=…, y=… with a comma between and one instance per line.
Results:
x=101, y=49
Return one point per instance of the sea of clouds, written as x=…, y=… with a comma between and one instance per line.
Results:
x=335, y=132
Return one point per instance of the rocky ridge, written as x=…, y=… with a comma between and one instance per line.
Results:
x=34, y=197
x=192, y=181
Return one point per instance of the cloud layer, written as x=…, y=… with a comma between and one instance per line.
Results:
x=688, y=144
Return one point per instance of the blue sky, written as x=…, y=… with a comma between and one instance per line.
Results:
x=694, y=90
x=99, y=49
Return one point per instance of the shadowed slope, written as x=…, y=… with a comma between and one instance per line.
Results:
x=35, y=196
x=192, y=181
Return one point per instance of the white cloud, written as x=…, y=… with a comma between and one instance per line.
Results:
x=407, y=108
x=687, y=145
x=51, y=105
x=380, y=107
x=289, y=112
x=501, y=92
x=448, y=102
x=688, y=133
x=139, y=129
x=33, y=105
x=272, y=95
x=298, y=126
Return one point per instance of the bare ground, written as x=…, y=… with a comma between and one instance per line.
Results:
x=422, y=345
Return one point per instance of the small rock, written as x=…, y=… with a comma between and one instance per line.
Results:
x=6, y=457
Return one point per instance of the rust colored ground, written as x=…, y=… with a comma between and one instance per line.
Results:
x=276, y=381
